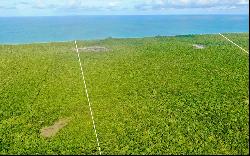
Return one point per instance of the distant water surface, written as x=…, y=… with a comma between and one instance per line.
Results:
x=46, y=29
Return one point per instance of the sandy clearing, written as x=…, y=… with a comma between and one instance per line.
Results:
x=51, y=131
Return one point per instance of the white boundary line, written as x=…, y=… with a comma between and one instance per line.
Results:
x=86, y=90
x=234, y=44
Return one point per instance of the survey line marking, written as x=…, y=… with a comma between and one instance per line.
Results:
x=86, y=91
x=234, y=43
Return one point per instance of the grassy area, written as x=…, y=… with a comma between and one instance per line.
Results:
x=149, y=96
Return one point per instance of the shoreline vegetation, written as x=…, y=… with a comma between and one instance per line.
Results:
x=186, y=94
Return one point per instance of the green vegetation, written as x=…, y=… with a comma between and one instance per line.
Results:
x=149, y=96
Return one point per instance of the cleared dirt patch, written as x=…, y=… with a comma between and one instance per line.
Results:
x=51, y=131
x=198, y=46
x=94, y=49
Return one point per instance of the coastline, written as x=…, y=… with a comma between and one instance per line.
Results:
x=65, y=41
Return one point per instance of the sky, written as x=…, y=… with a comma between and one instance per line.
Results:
x=121, y=7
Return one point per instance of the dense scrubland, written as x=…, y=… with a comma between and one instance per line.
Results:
x=155, y=95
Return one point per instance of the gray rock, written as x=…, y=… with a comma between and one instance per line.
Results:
x=198, y=46
x=94, y=49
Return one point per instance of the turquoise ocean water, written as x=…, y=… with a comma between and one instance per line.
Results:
x=46, y=29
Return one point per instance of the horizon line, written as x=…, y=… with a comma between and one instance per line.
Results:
x=125, y=15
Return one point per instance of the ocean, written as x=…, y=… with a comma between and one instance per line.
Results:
x=16, y=30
